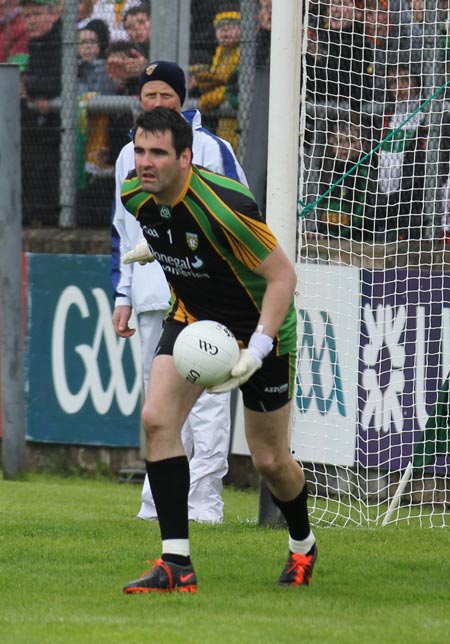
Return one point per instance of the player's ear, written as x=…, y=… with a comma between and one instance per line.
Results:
x=186, y=158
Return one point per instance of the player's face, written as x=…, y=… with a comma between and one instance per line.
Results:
x=157, y=166
x=159, y=94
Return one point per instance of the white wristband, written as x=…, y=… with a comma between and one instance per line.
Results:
x=260, y=345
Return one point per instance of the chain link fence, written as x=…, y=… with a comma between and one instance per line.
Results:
x=80, y=65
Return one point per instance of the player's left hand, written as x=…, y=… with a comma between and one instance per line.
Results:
x=242, y=371
x=140, y=253
x=250, y=360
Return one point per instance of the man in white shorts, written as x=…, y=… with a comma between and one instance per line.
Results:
x=206, y=433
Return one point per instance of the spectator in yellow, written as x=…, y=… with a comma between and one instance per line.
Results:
x=213, y=83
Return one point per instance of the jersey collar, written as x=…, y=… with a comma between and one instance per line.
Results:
x=182, y=194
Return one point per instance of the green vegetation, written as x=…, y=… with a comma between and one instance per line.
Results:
x=68, y=545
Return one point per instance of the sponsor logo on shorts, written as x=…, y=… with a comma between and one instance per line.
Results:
x=279, y=389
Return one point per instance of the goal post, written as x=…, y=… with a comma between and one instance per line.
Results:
x=434, y=443
x=373, y=261
x=282, y=155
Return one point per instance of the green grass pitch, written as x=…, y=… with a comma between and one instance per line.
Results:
x=67, y=546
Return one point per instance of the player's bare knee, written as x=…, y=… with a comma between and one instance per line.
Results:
x=148, y=419
x=268, y=465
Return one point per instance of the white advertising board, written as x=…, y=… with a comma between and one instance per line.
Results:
x=325, y=402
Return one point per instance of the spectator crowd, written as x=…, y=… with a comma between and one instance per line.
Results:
x=368, y=68
x=371, y=65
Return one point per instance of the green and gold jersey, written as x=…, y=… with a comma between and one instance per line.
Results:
x=209, y=244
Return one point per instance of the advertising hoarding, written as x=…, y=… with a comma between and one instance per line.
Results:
x=83, y=383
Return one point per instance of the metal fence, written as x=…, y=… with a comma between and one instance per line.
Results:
x=70, y=140
x=70, y=143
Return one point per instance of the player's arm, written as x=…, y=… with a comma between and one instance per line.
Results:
x=281, y=281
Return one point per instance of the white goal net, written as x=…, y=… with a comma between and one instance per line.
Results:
x=372, y=410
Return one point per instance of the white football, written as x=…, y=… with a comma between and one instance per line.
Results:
x=205, y=352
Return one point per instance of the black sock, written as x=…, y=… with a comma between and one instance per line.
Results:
x=296, y=514
x=169, y=481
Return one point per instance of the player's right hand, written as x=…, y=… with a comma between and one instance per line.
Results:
x=140, y=253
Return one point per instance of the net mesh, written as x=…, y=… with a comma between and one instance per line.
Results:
x=373, y=306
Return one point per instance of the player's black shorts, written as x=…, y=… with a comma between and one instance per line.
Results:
x=270, y=388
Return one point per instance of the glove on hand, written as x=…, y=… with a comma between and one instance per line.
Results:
x=140, y=253
x=250, y=360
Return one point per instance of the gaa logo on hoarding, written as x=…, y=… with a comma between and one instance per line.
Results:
x=102, y=382
x=318, y=371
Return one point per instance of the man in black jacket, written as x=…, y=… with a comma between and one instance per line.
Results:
x=40, y=123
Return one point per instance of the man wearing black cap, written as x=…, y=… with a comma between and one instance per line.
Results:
x=144, y=288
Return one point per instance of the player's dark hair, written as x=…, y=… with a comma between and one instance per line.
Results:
x=163, y=119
